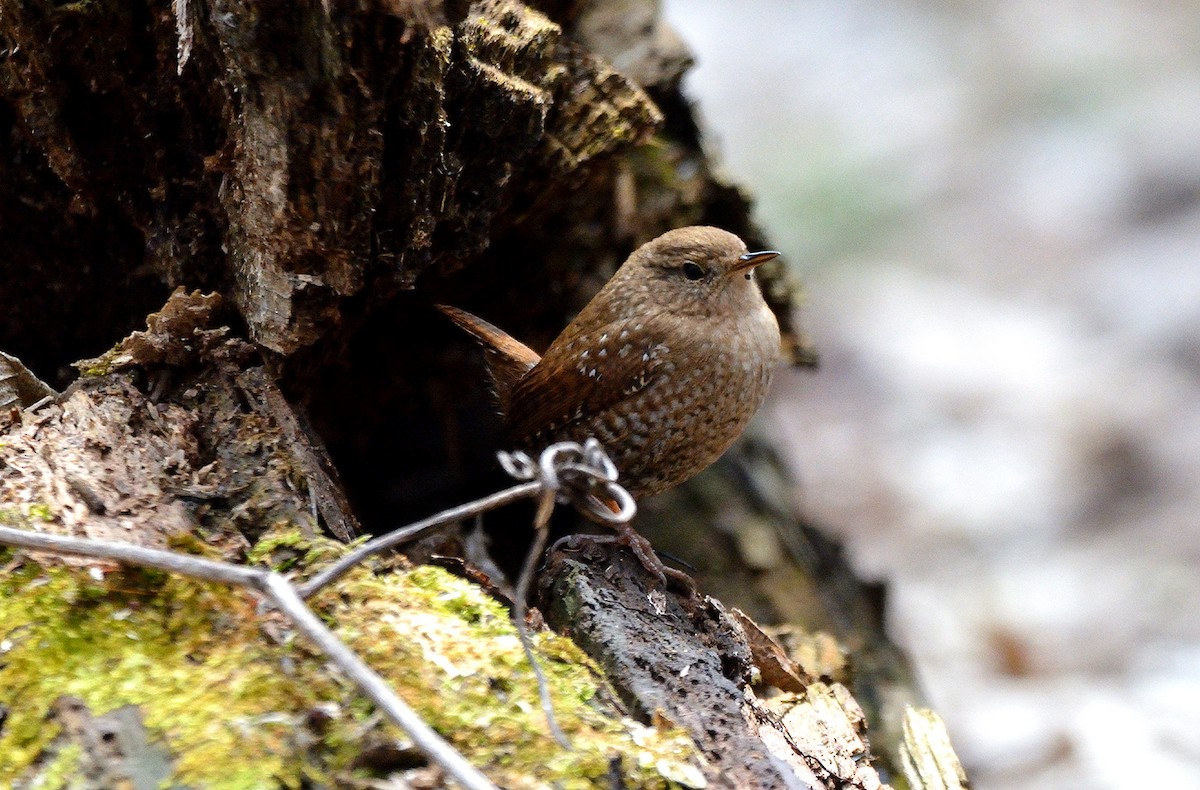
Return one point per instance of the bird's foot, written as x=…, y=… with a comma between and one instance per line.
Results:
x=642, y=549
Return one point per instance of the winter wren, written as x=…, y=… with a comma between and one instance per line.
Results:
x=665, y=366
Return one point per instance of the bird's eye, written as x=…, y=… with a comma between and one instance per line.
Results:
x=693, y=271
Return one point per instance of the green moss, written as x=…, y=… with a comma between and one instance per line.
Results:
x=98, y=367
x=21, y=516
x=60, y=770
x=112, y=359
x=288, y=547
x=229, y=701
x=189, y=654
x=42, y=512
x=454, y=655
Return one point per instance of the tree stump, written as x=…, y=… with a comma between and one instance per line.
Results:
x=279, y=194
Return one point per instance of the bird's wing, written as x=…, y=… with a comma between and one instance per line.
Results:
x=587, y=373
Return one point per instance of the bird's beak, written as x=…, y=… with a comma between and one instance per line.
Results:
x=751, y=259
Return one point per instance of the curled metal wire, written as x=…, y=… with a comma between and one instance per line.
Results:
x=581, y=474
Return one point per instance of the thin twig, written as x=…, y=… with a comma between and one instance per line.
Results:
x=584, y=475
x=581, y=467
x=184, y=564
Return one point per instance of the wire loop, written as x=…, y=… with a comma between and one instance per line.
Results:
x=581, y=474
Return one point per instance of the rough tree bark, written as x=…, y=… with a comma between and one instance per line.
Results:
x=312, y=177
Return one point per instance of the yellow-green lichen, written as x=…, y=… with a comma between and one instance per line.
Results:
x=228, y=701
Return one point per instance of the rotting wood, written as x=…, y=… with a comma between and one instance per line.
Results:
x=688, y=662
x=19, y=387
x=176, y=430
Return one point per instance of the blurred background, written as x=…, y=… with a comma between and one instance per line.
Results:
x=995, y=208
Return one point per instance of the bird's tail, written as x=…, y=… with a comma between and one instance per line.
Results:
x=508, y=359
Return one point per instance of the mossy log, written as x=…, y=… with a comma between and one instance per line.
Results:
x=286, y=190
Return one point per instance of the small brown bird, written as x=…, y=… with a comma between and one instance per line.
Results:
x=665, y=366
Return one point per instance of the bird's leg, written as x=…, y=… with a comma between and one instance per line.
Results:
x=644, y=551
x=641, y=548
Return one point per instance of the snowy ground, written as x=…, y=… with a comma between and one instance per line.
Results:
x=996, y=209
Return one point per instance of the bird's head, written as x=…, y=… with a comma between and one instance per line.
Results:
x=697, y=270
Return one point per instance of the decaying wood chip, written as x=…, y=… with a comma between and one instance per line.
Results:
x=177, y=334
x=776, y=667
x=826, y=725
x=926, y=755
x=19, y=388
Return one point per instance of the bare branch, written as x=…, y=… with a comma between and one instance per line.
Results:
x=183, y=564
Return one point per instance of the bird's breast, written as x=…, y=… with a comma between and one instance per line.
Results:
x=708, y=383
